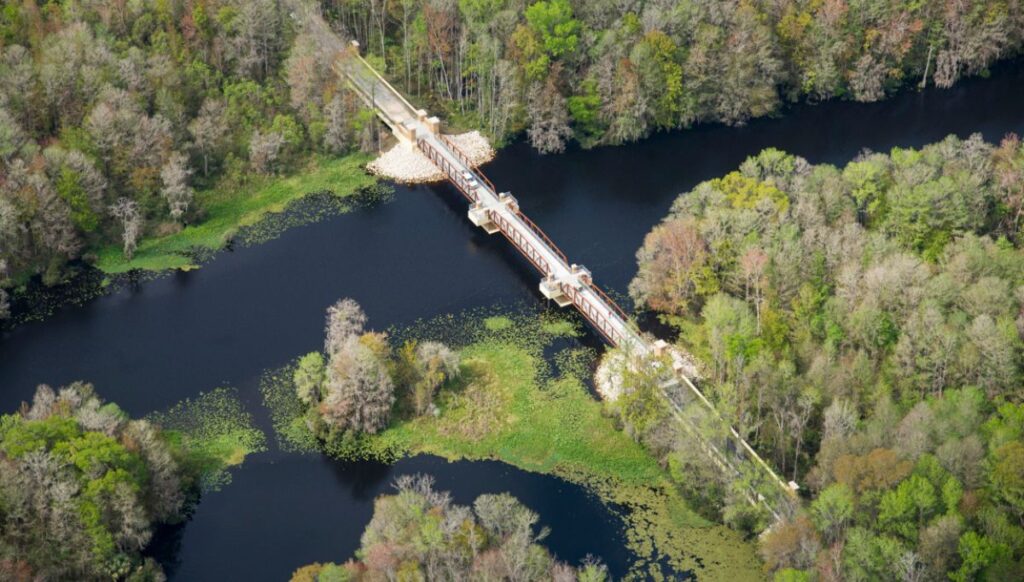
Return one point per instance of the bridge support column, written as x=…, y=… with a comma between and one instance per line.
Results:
x=551, y=288
x=406, y=133
x=480, y=216
x=432, y=123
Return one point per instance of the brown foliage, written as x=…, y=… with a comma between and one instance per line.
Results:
x=791, y=544
x=672, y=255
x=879, y=469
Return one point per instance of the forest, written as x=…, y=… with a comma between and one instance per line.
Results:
x=863, y=327
x=118, y=121
x=609, y=72
x=116, y=118
x=419, y=533
x=82, y=487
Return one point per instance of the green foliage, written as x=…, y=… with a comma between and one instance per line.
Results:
x=19, y=436
x=1008, y=474
x=743, y=192
x=833, y=508
x=553, y=22
x=585, y=111
x=69, y=189
x=309, y=377
x=869, y=180
x=657, y=59
x=977, y=553
x=866, y=336
x=791, y=575
x=103, y=482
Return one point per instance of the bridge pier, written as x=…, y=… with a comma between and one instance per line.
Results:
x=555, y=289
x=551, y=288
x=481, y=216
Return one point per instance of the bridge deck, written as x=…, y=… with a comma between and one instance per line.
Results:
x=500, y=212
x=503, y=211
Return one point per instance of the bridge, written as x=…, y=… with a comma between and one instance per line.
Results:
x=568, y=283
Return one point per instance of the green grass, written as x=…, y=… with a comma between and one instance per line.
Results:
x=227, y=211
x=498, y=410
x=495, y=410
x=510, y=404
x=504, y=406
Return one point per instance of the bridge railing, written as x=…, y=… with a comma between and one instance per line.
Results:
x=599, y=318
x=451, y=171
x=465, y=159
x=378, y=78
x=543, y=236
x=611, y=302
x=507, y=228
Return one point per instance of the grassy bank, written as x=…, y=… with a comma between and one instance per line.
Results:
x=229, y=210
x=507, y=405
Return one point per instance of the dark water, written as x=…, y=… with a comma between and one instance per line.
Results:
x=219, y=544
x=255, y=308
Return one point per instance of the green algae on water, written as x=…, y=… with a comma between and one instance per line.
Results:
x=215, y=430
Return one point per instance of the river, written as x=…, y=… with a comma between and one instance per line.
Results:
x=255, y=308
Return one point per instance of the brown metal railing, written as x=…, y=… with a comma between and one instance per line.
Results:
x=453, y=175
x=600, y=320
x=543, y=236
x=611, y=302
x=457, y=151
x=508, y=229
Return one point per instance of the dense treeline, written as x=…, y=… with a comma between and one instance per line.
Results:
x=863, y=327
x=420, y=534
x=113, y=115
x=603, y=71
x=81, y=488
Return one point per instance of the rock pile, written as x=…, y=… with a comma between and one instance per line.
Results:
x=404, y=163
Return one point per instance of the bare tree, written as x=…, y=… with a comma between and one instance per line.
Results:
x=13, y=140
x=437, y=363
x=336, y=135
x=127, y=211
x=867, y=79
x=549, y=118
x=345, y=319
x=208, y=130
x=256, y=40
x=264, y=150
x=307, y=71
x=174, y=175
x=360, y=392
x=5, y=306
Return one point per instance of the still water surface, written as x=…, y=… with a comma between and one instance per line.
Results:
x=417, y=257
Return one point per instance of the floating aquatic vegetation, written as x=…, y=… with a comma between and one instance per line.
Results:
x=287, y=412
x=311, y=209
x=216, y=431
